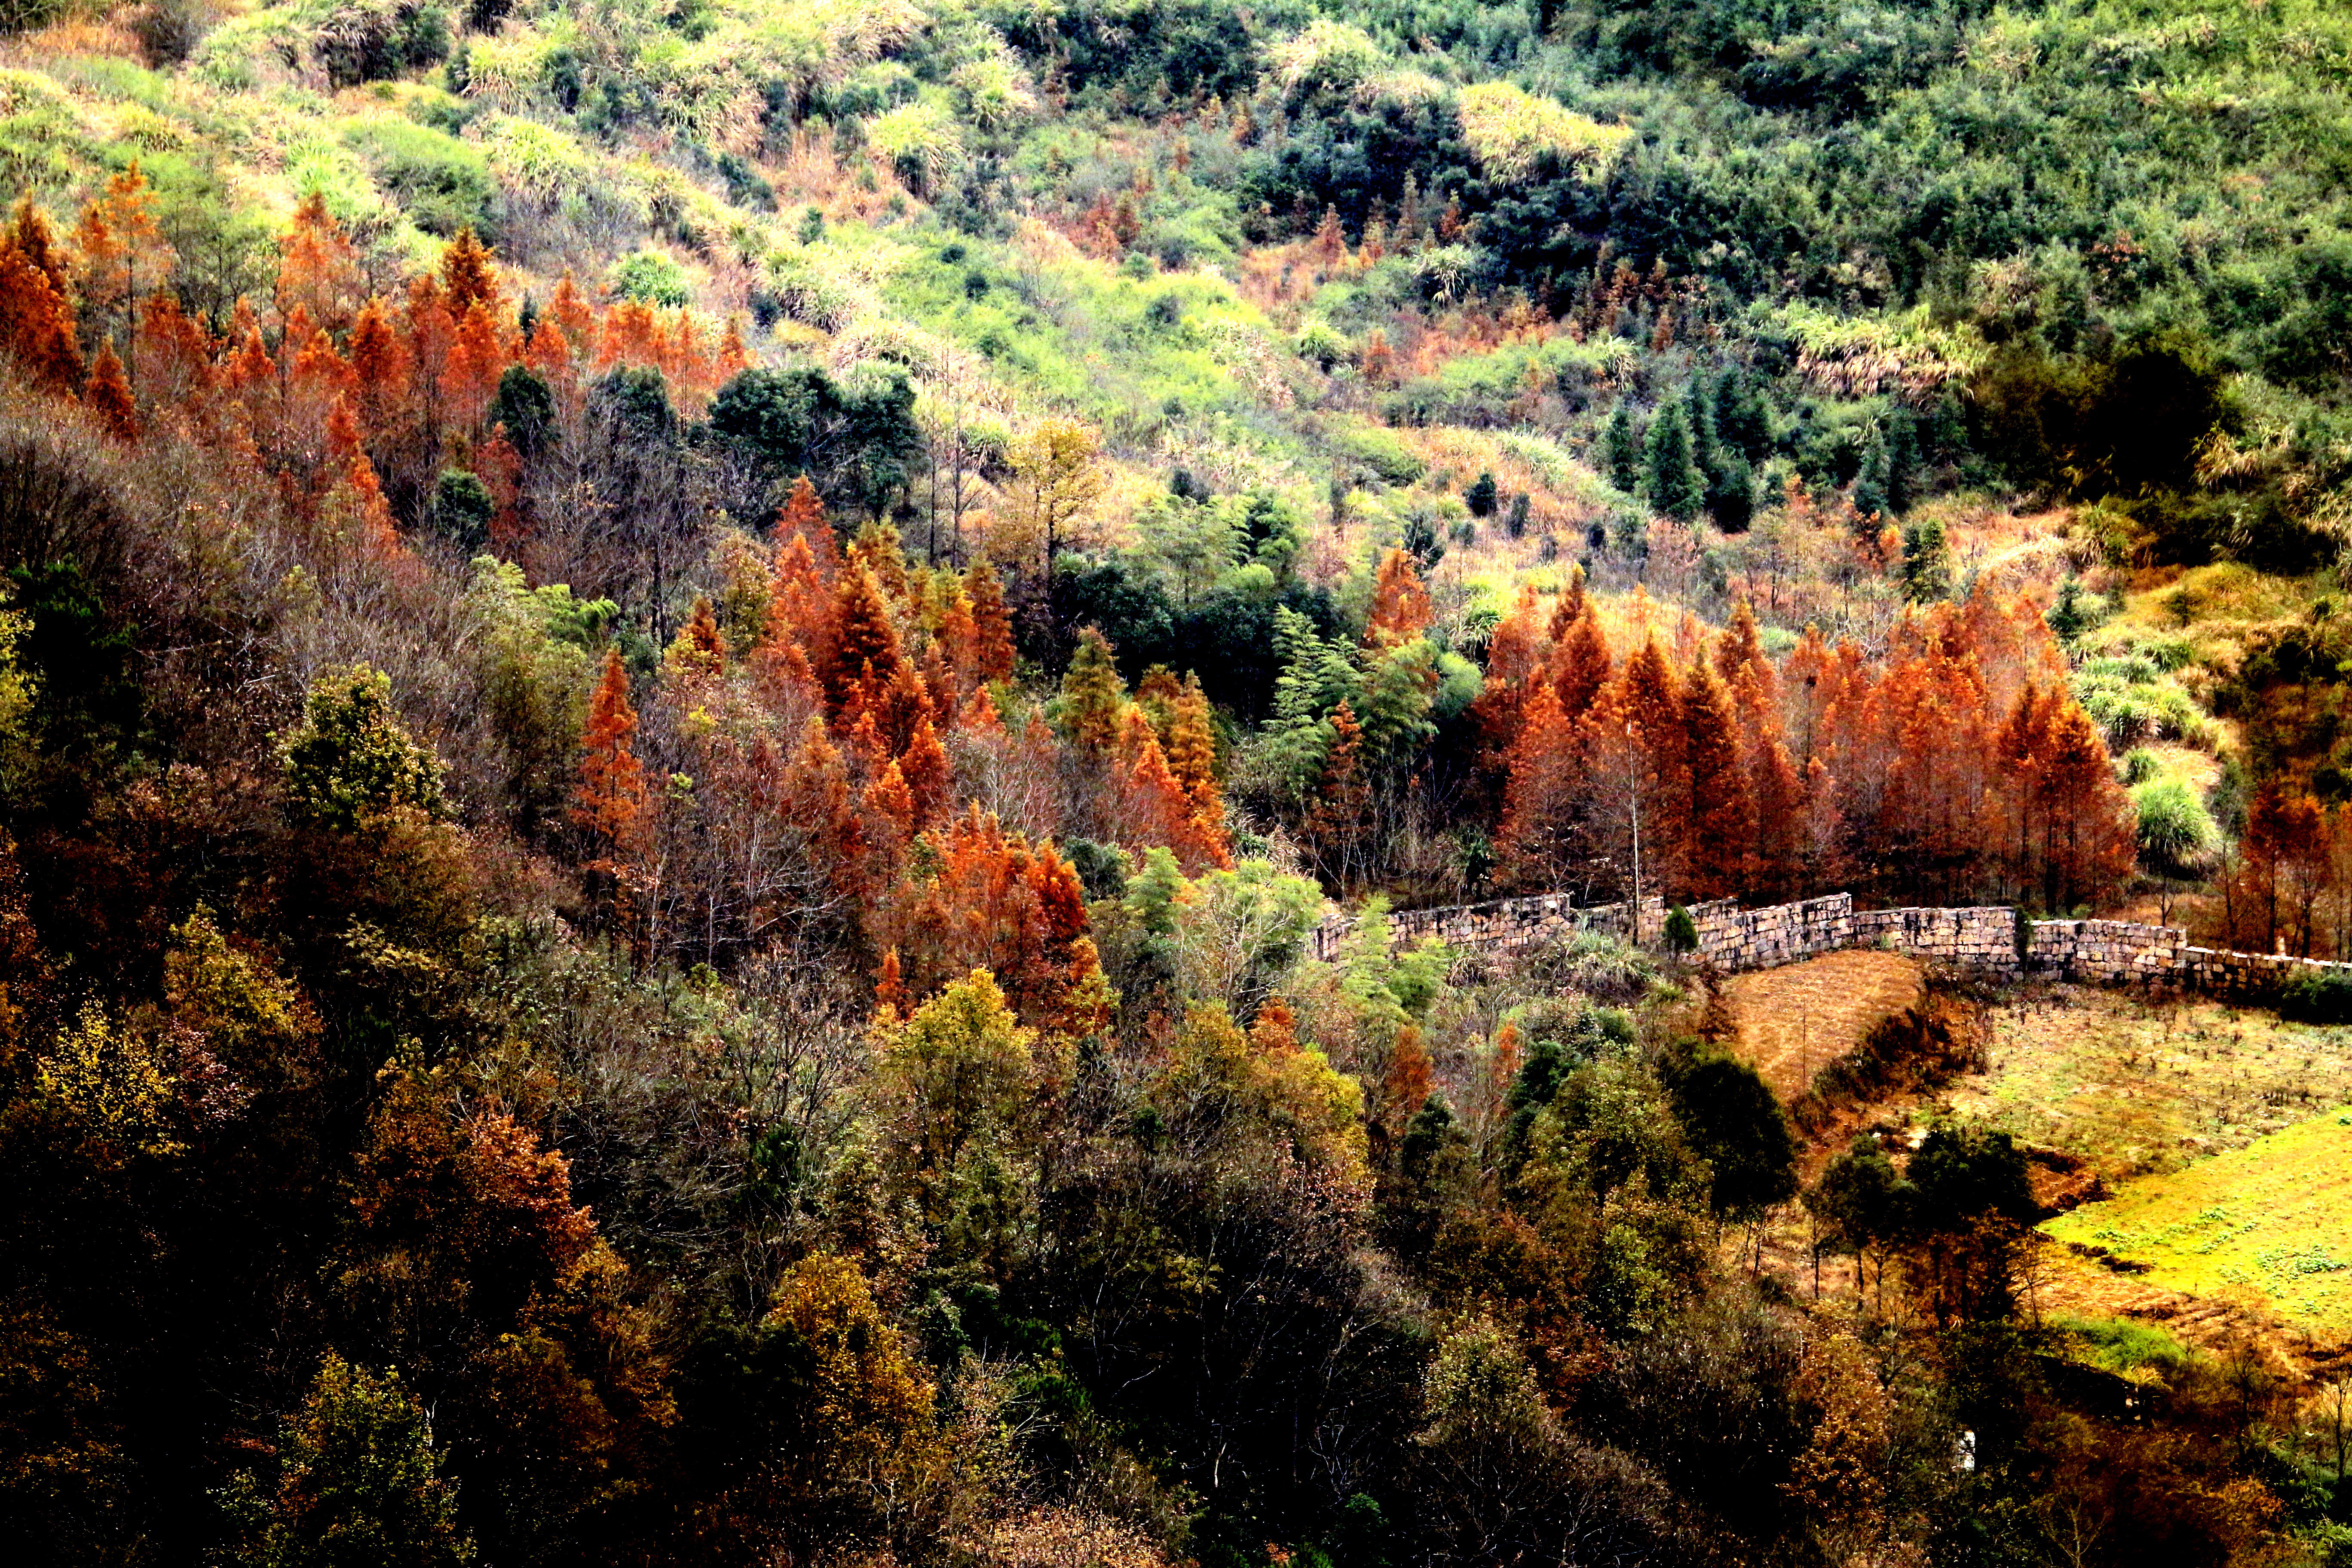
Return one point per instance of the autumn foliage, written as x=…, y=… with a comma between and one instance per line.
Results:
x=1954, y=768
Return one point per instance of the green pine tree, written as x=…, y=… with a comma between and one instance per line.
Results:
x=1621, y=449
x=1902, y=462
x=1927, y=563
x=1674, y=485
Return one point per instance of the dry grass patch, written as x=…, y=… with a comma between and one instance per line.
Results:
x=2138, y=1087
x=1791, y=1022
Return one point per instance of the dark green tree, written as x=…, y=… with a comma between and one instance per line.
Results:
x=1927, y=563
x=1731, y=1120
x=359, y=1484
x=462, y=510
x=1673, y=480
x=1743, y=423
x=1621, y=449
x=854, y=439
x=1902, y=462
x=352, y=760
x=527, y=409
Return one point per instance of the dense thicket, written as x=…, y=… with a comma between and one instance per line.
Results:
x=655, y=851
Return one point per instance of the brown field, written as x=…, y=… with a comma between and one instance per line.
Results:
x=1792, y=1021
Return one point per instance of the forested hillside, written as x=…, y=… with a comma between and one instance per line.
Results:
x=678, y=685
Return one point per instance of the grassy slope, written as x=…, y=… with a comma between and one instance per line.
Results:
x=2143, y=1088
x=2272, y=1221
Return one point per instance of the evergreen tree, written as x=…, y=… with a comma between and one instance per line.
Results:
x=1902, y=462
x=1870, y=480
x=352, y=760
x=1927, y=563
x=359, y=1481
x=1480, y=498
x=1699, y=411
x=1742, y=422
x=1731, y=493
x=1092, y=694
x=1675, y=486
x=1732, y=1121
x=1621, y=449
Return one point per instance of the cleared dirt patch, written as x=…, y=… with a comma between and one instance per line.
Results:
x=1790, y=1022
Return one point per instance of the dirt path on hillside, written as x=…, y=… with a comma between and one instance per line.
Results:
x=1791, y=1022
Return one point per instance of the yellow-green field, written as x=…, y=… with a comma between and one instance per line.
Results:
x=2270, y=1221
x=2139, y=1087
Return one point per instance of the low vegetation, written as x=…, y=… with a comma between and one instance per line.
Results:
x=2270, y=1221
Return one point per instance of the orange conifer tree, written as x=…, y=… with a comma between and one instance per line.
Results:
x=108, y=396
x=1719, y=812
x=1400, y=607
x=1515, y=664
x=37, y=318
x=610, y=799
x=317, y=268
x=817, y=797
x=173, y=351
x=1193, y=757
x=1579, y=664
x=993, y=623
x=469, y=275
x=1539, y=843
x=924, y=764
x=1147, y=802
x=859, y=654
x=1338, y=822
x=380, y=365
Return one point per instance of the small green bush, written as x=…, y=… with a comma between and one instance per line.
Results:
x=2317, y=996
x=1383, y=453
x=651, y=277
x=2177, y=833
x=442, y=184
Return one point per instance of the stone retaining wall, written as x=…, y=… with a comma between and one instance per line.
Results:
x=1985, y=939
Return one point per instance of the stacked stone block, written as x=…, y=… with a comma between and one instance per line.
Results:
x=1981, y=939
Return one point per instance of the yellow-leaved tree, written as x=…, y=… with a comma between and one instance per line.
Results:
x=1057, y=478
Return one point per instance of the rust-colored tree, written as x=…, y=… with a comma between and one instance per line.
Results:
x=1193, y=757
x=1401, y=608
x=108, y=396
x=611, y=800
x=1720, y=814
x=1338, y=827
x=991, y=623
x=469, y=275
x=995, y=901
x=36, y=316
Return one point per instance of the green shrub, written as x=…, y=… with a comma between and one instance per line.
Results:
x=1383, y=453
x=1682, y=932
x=2317, y=996
x=2177, y=833
x=442, y=184
x=651, y=277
